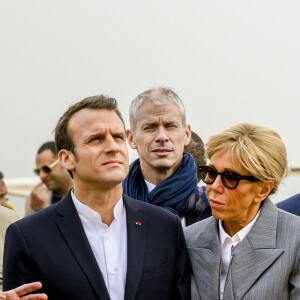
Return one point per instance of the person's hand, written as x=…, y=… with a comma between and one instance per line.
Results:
x=39, y=196
x=21, y=292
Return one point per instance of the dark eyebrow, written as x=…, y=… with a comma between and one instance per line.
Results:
x=92, y=136
x=120, y=133
x=171, y=122
x=149, y=123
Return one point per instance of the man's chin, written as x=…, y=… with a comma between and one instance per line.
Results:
x=50, y=186
x=164, y=166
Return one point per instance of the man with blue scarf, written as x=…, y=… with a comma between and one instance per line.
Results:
x=164, y=175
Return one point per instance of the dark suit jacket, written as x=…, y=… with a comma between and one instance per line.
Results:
x=51, y=246
x=291, y=205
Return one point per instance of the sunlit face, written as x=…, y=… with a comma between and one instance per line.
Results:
x=239, y=205
x=101, y=155
x=57, y=177
x=159, y=137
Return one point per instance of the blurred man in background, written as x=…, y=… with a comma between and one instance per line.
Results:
x=56, y=181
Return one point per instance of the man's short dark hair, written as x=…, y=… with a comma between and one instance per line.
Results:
x=62, y=138
x=48, y=146
x=1, y=175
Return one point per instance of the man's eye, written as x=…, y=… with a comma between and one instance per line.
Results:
x=119, y=137
x=147, y=128
x=95, y=139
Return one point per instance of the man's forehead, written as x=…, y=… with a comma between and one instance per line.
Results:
x=45, y=156
x=155, y=113
x=46, y=153
x=152, y=108
x=93, y=117
x=93, y=122
x=112, y=129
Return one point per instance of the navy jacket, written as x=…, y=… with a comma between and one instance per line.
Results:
x=291, y=205
x=51, y=246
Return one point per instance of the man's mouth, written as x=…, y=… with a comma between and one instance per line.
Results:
x=112, y=162
x=161, y=150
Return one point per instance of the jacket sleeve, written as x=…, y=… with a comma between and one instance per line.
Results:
x=17, y=265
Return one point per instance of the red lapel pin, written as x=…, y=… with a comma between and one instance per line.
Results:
x=138, y=223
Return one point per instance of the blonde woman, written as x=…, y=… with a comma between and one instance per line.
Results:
x=249, y=249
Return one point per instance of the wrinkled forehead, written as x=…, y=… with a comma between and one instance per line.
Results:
x=90, y=121
x=156, y=109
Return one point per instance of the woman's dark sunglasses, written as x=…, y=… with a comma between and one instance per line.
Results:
x=46, y=169
x=230, y=179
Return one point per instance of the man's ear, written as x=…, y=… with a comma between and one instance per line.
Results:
x=130, y=138
x=264, y=191
x=188, y=134
x=67, y=159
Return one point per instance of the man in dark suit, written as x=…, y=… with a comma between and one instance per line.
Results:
x=97, y=243
x=291, y=205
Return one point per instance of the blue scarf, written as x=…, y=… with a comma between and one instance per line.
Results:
x=179, y=193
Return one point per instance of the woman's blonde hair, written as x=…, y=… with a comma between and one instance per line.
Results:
x=258, y=149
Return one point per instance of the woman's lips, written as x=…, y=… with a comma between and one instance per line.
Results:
x=214, y=203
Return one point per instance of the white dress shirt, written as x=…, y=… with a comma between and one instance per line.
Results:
x=109, y=245
x=228, y=243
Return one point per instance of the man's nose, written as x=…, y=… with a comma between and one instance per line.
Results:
x=111, y=145
x=162, y=135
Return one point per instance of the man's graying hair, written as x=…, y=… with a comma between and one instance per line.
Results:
x=158, y=96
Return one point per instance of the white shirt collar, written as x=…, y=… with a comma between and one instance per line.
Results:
x=240, y=235
x=150, y=186
x=89, y=213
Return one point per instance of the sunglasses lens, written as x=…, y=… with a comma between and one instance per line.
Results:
x=46, y=169
x=230, y=179
x=208, y=175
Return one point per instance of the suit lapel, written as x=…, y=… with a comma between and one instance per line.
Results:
x=206, y=252
x=72, y=230
x=136, y=243
x=256, y=252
